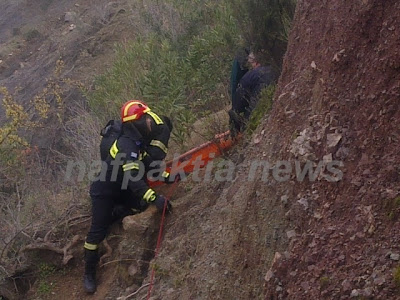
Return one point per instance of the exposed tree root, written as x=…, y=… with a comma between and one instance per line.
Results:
x=108, y=252
x=46, y=245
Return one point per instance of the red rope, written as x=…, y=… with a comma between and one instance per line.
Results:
x=170, y=193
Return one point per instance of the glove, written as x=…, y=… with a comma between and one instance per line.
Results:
x=169, y=179
x=159, y=203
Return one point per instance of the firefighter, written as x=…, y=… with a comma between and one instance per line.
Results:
x=129, y=148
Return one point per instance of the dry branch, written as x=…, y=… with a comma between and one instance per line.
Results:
x=108, y=251
x=84, y=217
x=133, y=294
x=77, y=218
x=123, y=260
x=54, y=248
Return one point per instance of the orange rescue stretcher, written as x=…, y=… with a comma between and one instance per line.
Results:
x=204, y=153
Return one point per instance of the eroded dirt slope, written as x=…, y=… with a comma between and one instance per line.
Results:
x=341, y=85
x=35, y=34
x=338, y=99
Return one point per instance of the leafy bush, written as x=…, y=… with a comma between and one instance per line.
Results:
x=181, y=82
x=262, y=109
x=181, y=67
x=44, y=284
x=396, y=277
x=392, y=206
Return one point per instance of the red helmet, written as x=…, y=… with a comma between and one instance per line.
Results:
x=133, y=110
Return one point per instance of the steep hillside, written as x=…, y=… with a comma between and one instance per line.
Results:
x=34, y=35
x=340, y=89
x=283, y=230
x=338, y=236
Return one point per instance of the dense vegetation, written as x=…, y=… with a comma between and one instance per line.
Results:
x=181, y=67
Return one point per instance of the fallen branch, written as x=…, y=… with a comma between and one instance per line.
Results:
x=133, y=294
x=46, y=237
x=79, y=222
x=52, y=247
x=122, y=260
x=108, y=251
x=44, y=246
x=77, y=218
x=67, y=257
x=5, y=270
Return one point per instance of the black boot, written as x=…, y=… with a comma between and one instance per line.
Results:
x=235, y=123
x=91, y=261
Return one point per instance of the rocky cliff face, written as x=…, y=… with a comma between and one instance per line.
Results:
x=340, y=89
x=336, y=236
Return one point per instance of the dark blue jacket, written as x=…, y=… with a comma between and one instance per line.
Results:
x=249, y=88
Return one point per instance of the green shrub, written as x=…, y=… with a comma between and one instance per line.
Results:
x=262, y=109
x=181, y=68
x=45, y=271
x=392, y=206
x=396, y=276
x=181, y=82
x=44, y=287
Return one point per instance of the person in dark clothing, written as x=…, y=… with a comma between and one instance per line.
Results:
x=247, y=93
x=239, y=69
x=130, y=148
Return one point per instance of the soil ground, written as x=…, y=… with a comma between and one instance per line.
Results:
x=341, y=79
